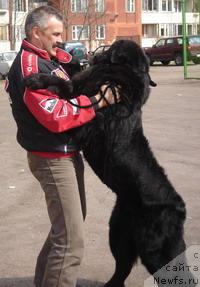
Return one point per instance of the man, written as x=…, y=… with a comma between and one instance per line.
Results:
x=43, y=121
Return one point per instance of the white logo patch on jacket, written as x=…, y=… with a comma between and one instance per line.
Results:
x=49, y=104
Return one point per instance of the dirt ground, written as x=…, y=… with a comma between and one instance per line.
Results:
x=171, y=121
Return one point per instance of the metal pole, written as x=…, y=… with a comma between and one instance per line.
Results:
x=198, y=6
x=184, y=38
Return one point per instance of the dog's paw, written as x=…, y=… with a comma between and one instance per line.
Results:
x=39, y=81
x=34, y=82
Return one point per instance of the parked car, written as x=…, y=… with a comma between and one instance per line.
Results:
x=171, y=49
x=98, y=50
x=6, y=60
x=78, y=50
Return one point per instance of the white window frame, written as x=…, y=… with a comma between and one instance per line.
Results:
x=3, y=4
x=177, y=6
x=150, y=30
x=19, y=32
x=100, y=29
x=20, y=5
x=84, y=30
x=4, y=33
x=130, y=6
x=99, y=5
x=154, y=5
x=167, y=5
x=79, y=6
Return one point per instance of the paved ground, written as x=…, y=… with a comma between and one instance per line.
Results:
x=171, y=122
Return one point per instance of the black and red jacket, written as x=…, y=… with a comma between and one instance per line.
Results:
x=43, y=120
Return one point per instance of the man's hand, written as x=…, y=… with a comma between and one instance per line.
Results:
x=109, y=97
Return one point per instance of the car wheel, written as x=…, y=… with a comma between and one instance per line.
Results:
x=1, y=77
x=196, y=61
x=178, y=59
x=165, y=63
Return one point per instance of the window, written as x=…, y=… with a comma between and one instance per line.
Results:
x=130, y=5
x=160, y=43
x=178, y=29
x=149, y=30
x=4, y=33
x=194, y=40
x=3, y=4
x=189, y=29
x=166, y=5
x=150, y=5
x=20, y=5
x=79, y=5
x=169, y=42
x=19, y=33
x=180, y=41
x=100, y=32
x=80, y=32
x=99, y=5
x=177, y=6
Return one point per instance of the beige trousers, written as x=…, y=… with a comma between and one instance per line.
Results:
x=62, y=181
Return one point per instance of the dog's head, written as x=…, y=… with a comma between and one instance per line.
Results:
x=130, y=55
x=124, y=52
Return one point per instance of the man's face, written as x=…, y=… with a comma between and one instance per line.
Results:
x=47, y=37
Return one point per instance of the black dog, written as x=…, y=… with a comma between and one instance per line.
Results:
x=147, y=220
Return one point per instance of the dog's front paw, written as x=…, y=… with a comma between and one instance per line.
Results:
x=38, y=81
x=34, y=82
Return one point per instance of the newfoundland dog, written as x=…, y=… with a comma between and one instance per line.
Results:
x=148, y=216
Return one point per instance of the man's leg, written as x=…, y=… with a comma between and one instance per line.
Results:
x=58, y=178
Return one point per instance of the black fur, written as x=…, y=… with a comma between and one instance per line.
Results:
x=147, y=220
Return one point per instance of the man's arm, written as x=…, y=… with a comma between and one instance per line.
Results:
x=57, y=115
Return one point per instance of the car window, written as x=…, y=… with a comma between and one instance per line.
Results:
x=106, y=48
x=194, y=40
x=99, y=50
x=169, y=42
x=180, y=41
x=160, y=43
x=76, y=49
x=9, y=56
x=78, y=52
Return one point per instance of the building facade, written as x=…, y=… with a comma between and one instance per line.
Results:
x=97, y=22
x=162, y=18
x=12, y=18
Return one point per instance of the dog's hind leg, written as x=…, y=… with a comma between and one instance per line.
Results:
x=122, y=245
x=164, y=262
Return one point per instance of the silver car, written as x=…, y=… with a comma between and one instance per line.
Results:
x=6, y=60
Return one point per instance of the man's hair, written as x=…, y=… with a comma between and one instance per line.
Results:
x=39, y=17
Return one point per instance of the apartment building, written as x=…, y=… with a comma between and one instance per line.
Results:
x=97, y=22
x=12, y=22
x=164, y=18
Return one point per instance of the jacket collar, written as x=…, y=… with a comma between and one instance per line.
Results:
x=61, y=55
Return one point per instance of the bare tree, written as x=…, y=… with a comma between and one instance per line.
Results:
x=11, y=30
x=91, y=18
x=88, y=17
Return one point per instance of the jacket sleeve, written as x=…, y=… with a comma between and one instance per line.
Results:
x=55, y=114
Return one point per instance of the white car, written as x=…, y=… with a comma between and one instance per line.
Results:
x=6, y=60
